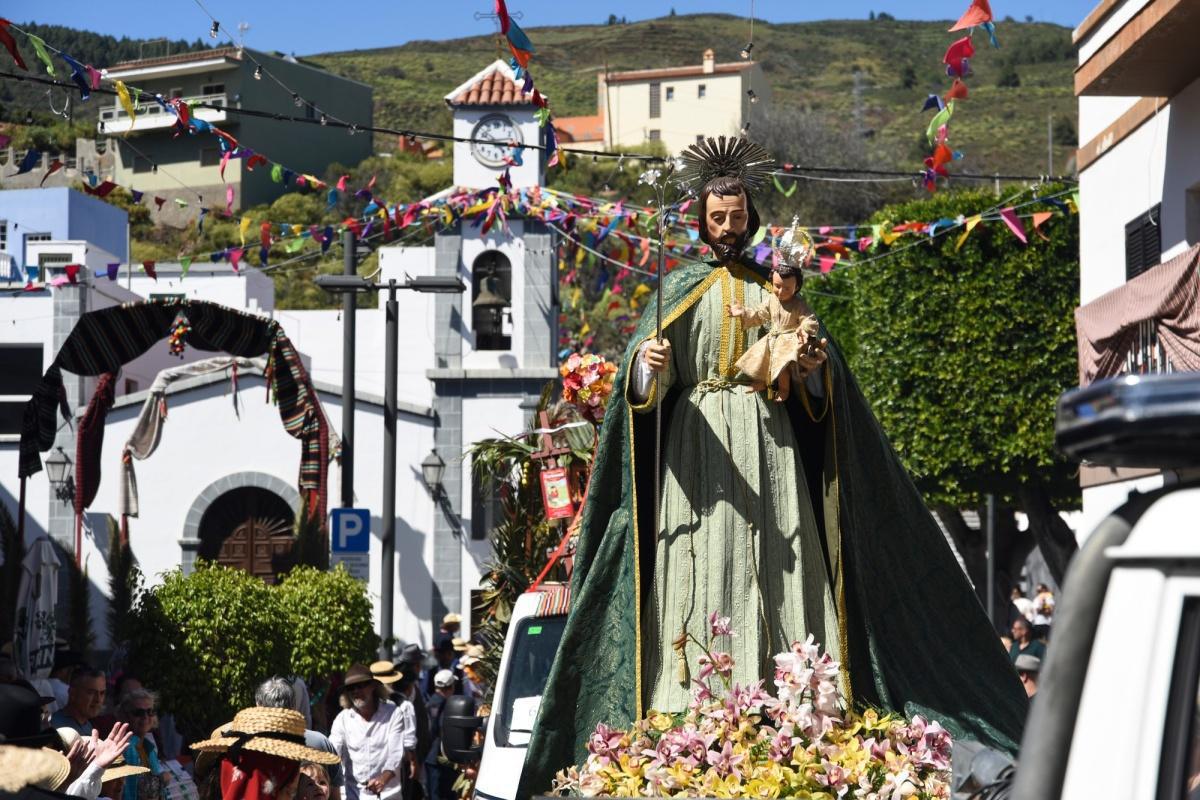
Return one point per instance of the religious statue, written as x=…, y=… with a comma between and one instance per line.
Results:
x=775, y=358
x=790, y=518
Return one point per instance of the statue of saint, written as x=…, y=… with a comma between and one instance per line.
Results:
x=791, y=518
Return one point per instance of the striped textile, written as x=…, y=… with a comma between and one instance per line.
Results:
x=555, y=600
x=1167, y=295
x=103, y=341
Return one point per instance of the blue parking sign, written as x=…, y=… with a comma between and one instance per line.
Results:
x=350, y=540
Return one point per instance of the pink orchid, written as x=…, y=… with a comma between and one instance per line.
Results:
x=724, y=761
x=720, y=626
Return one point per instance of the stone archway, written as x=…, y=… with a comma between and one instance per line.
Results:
x=242, y=520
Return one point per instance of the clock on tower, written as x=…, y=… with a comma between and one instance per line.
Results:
x=492, y=119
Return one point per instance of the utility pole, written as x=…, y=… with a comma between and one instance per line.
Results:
x=990, y=525
x=349, y=307
x=1049, y=144
x=391, y=335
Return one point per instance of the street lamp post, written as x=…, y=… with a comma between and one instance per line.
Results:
x=349, y=320
x=352, y=284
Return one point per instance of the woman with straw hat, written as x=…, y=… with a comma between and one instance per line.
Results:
x=260, y=753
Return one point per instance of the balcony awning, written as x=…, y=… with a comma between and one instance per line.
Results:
x=1168, y=296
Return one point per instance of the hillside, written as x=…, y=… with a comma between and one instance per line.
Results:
x=811, y=67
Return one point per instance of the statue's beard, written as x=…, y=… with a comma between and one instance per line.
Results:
x=730, y=246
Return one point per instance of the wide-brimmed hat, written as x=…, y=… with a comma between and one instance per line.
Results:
x=385, y=672
x=274, y=731
x=452, y=619
x=31, y=766
x=118, y=768
x=460, y=645
x=357, y=674
x=21, y=717
x=1027, y=663
x=473, y=655
x=411, y=654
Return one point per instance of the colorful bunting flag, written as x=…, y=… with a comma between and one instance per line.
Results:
x=55, y=166
x=32, y=157
x=39, y=47
x=185, y=263
x=148, y=266
x=10, y=44
x=111, y=270
x=978, y=13
x=1014, y=224
x=126, y=103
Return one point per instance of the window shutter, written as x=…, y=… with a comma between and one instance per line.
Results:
x=1143, y=242
x=655, y=100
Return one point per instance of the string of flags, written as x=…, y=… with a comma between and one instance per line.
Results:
x=957, y=61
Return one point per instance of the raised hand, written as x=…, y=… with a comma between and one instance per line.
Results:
x=106, y=751
x=734, y=309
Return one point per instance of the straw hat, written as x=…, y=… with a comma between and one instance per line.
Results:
x=385, y=672
x=118, y=769
x=451, y=619
x=31, y=766
x=275, y=731
x=460, y=645
x=473, y=655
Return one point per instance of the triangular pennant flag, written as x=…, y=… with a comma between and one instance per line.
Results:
x=55, y=166
x=31, y=159
x=136, y=195
x=235, y=256
x=111, y=270
x=126, y=103
x=158, y=201
x=39, y=47
x=277, y=173
x=1014, y=224
x=148, y=266
x=72, y=271
x=979, y=13
x=244, y=228
x=971, y=222
x=185, y=262
x=77, y=76
x=10, y=44
x=1039, y=218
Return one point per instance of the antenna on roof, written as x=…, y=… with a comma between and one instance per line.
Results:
x=242, y=28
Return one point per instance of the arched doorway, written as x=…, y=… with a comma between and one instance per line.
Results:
x=250, y=528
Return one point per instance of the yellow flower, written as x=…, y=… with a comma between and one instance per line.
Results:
x=762, y=788
x=658, y=721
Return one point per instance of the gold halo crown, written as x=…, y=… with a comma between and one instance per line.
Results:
x=725, y=157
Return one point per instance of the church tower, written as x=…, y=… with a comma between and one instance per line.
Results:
x=491, y=110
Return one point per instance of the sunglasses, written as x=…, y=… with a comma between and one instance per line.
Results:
x=140, y=713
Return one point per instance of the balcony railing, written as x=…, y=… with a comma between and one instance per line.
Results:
x=151, y=116
x=1147, y=355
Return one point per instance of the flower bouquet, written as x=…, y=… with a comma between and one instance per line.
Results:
x=740, y=741
x=587, y=383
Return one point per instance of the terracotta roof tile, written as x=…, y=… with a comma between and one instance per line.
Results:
x=580, y=129
x=493, y=89
x=180, y=58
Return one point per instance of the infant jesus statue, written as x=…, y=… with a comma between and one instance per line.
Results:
x=774, y=358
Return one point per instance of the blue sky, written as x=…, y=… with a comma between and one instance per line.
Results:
x=307, y=26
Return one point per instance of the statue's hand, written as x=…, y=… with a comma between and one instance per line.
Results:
x=656, y=355
x=734, y=309
x=812, y=355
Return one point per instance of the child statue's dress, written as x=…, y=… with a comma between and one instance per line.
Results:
x=779, y=349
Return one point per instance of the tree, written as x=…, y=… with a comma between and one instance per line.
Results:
x=329, y=620
x=962, y=355
x=1009, y=77
x=1064, y=132
x=908, y=77
x=204, y=640
x=883, y=16
x=124, y=584
x=871, y=16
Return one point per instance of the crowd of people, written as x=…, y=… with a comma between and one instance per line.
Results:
x=1029, y=633
x=81, y=735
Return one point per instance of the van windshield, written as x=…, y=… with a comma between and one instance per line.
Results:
x=528, y=667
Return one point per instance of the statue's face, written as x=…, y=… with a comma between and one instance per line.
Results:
x=726, y=218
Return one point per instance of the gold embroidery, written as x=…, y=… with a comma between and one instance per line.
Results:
x=724, y=349
x=840, y=581
x=739, y=339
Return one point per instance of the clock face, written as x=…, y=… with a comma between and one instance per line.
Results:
x=494, y=135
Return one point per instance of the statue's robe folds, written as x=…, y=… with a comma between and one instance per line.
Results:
x=912, y=635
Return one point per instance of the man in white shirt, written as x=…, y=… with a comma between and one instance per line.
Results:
x=375, y=738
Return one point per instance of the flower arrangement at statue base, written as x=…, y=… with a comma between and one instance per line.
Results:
x=587, y=383
x=740, y=741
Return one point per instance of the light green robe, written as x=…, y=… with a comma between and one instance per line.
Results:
x=737, y=534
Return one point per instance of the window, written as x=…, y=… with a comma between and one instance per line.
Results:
x=210, y=156
x=4, y=235
x=51, y=264
x=212, y=88
x=655, y=135
x=655, y=100
x=1178, y=766
x=131, y=386
x=486, y=509
x=20, y=373
x=533, y=651
x=37, y=237
x=1143, y=243
x=701, y=90
x=175, y=92
x=491, y=290
x=670, y=93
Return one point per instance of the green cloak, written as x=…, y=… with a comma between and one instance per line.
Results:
x=914, y=636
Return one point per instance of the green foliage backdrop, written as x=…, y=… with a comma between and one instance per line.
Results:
x=963, y=354
x=205, y=640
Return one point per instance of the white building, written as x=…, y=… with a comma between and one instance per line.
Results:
x=673, y=105
x=221, y=480
x=1138, y=84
